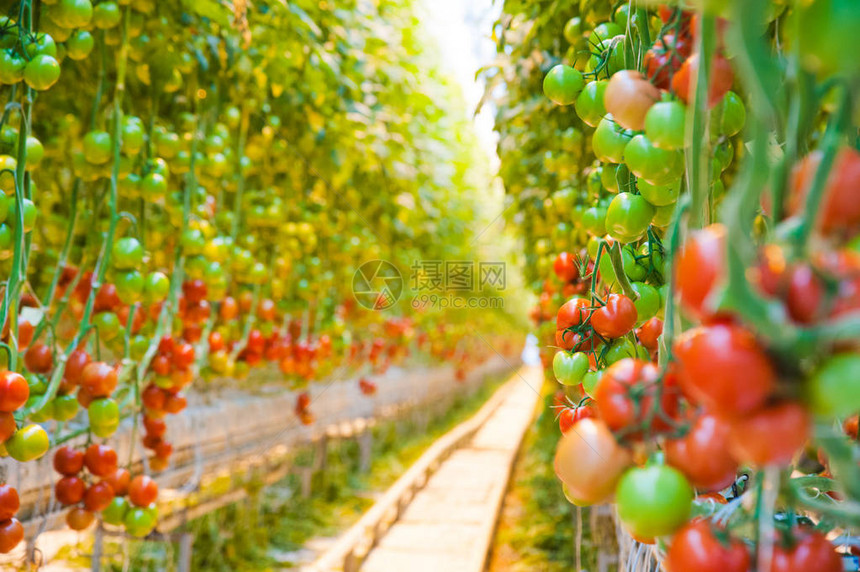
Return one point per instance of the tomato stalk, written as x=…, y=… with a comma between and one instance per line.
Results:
x=698, y=151
x=618, y=268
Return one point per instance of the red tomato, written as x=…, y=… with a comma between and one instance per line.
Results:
x=98, y=379
x=14, y=391
x=194, y=291
x=723, y=367
x=75, y=364
x=589, y=461
x=11, y=534
x=649, y=332
x=620, y=382
x=39, y=358
x=572, y=313
x=228, y=309
x=771, y=435
x=79, y=518
x=805, y=295
x=722, y=77
x=9, y=502
x=696, y=548
x=700, y=267
x=616, y=318
x=70, y=490
x=98, y=496
x=153, y=398
x=119, y=481
x=100, y=460
x=812, y=552
x=68, y=461
x=154, y=427
x=142, y=491
x=840, y=209
x=703, y=454
x=183, y=355
x=565, y=267
x=570, y=415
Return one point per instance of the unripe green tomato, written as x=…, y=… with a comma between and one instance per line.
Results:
x=116, y=511
x=103, y=411
x=46, y=413
x=598, y=40
x=104, y=431
x=562, y=84
x=573, y=30
x=628, y=217
x=589, y=104
x=42, y=72
x=139, y=521
x=65, y=407
x=98, y=147
x=663, y=216
x=654, y=500
x=659, y=195
x=153, y=186
x=657, y=166
x=834, y=389
x=37, y=385
x=30, y=213
x=108, y=325
x=665, y=124
x=569, y=368
x=35, y=153
x=594, y=221
x=80, y=45
x=590, y=381
x=156, y=287
x=620, y=349
x=610, y=141
x=127, y=253
x=28, y=443
x=648, y=303
x=106, y=15
x=728, y=116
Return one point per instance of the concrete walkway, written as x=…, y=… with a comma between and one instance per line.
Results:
x=449, y=524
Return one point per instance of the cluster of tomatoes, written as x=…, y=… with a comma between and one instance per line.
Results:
x=104, y=488
x=697, y=360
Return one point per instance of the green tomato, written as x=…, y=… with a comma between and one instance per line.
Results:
x=623, y=348
x=589, y=105
x=98, y=147
x=648, y=303
x=659, y=195
x=834, y=389
x=41, y=44
x=622, y=14
x=42, y=72
x=104, y=431
x=106, y=15
x=103, y=411
x=139, y=521
x=598, y=40
x=594, y=221
x=590, y=381
x=28, y=443
x=11, y=67
x=828, y=38
x=65, y=407
x=132, y=135
x=572, y=31
x=115, y=512
x=138, y=346
x=562, y=84
x=156, y=287
x=37, y=385
x=127, y=253
x=108, y=325
x=628, y=217
x=569, y=368
x=610, y=140
x=46, y=413
x=35, y=153
x=728, y=116
x=30, y=213
x=663, y=216
x=654, y=500
x=153, y=186
x=665, y=125
x=80, y=45
x=657, y=166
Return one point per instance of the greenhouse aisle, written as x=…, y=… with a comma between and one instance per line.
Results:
x=449, y=524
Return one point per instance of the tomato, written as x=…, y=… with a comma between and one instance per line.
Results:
x=39, y=358
x=812, y=552
x=657, y=166
x=609, y=140
x=115, y=512
x=591, y=381
x=127, y=253
x=70, y=490
x=628, y=217
x=615, y=318
x=700, y=268
x=100, y=460
x=649, y=332
x=14, y=391
x=12, y=67
x=573, y=30
x=623, y=348
x=569, y=368
x=594, y=221
x=119, y=481
x=42, y=72
x=75, y=365
x=654, y=500
x=142, y=491
x=183, y=356
x=697, y=547
x=805, y=294
x=751, y=439
x=703, y=454
x=79, y=518
x=98, y=496
x=722, y=77
x=9, y=502
x=628, y=98
x=665, y=125
x=99, y=379
x=565, y=267
x=562, y=84
x=626, y=382
x=11, y=534
x=79, y=45
x=28, y=443
x=589, y=104
x=589, y=461
x=709, y=359
x=729, y=116
x=603, y=32
x=106, y=15
x=572, y=313
x=103, y=412
x=834, y=388
x=139, y=521
x=8, y=426
x=839, y=212
x=648, y=303
x=569, y=416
